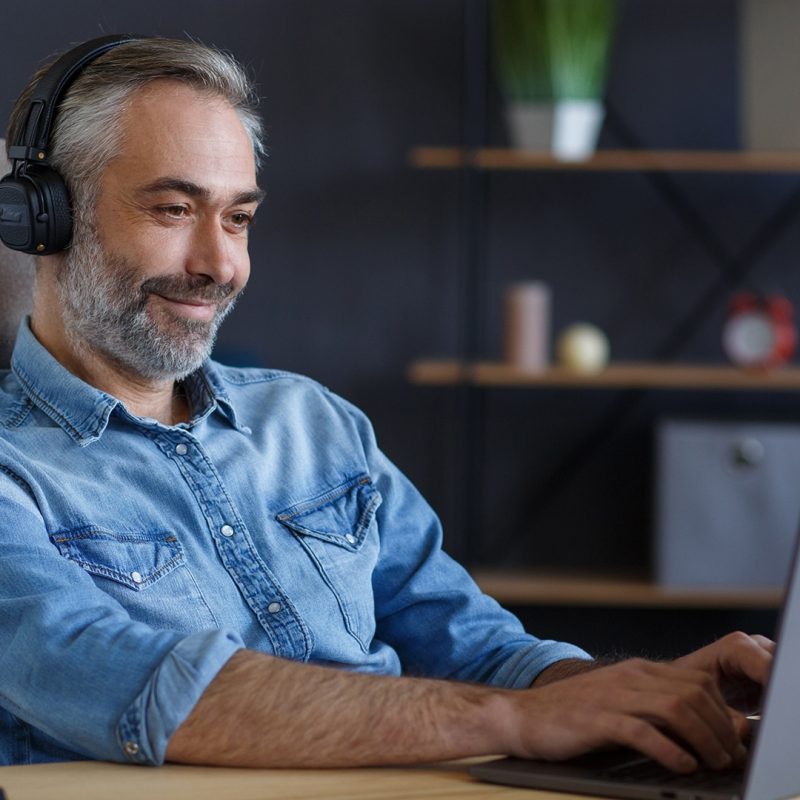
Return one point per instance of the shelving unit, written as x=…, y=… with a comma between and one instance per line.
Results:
x=471, y=374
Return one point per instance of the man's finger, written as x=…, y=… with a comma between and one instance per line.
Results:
x=643, y=736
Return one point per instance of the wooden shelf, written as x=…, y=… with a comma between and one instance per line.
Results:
x=609, y=160
x=615, y=376
x=520, y=588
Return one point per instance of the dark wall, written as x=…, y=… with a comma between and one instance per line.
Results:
x=355, y=255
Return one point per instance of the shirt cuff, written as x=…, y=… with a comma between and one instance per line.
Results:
x=171, y=694
x=520, y=671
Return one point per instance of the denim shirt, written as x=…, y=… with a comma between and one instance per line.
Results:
x=136, y=558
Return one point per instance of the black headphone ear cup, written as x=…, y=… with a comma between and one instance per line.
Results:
x=35, y=211
x=57, y=224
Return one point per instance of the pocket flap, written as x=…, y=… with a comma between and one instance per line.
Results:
x=136, y=559
x=340, y=515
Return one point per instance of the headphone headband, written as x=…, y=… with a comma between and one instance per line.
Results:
x=48, y=92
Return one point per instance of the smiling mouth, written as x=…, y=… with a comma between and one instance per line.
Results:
x=190, y=307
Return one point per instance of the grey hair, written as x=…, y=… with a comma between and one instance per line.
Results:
x=86, y=134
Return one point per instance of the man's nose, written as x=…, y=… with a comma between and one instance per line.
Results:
x=212, y=254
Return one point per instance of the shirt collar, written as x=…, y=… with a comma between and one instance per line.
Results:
x=205, y=390
x=83, y=411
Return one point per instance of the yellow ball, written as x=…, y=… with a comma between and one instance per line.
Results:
x=583, y=348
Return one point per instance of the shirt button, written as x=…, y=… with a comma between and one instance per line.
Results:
x=247, y=429
x=181, y=449
x=136, y=577
x=350, y=538
x=226, y=530
x=274, y=608
x=131, y=748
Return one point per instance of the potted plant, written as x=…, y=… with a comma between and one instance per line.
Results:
x=554, y=53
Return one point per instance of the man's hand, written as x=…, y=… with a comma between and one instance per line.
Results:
x=673, y=713
x=739, y=665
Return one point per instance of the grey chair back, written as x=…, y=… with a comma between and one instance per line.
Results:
x=16, y=285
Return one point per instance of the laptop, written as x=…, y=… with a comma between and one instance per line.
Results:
x=772, y=771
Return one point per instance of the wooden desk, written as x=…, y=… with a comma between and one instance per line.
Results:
x=91, y=780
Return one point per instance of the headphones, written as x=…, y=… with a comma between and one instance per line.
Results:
x=35, y=212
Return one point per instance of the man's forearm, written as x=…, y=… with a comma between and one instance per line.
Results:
x=264, y=711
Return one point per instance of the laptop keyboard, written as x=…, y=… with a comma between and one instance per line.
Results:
x=645, y=770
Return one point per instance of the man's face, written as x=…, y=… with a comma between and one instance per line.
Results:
x=157, y=266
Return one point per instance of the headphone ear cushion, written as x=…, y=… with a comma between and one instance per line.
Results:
x=35, y=211
x=55, y=219
x=15, y=215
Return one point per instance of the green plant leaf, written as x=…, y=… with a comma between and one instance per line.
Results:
x=547, y=49
x=520, y=49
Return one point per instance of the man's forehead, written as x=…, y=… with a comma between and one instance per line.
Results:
x=175, y=137
x=172, y=111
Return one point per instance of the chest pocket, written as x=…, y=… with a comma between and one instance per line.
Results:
x=136, y=560
x=338, y=531
x=145, y=571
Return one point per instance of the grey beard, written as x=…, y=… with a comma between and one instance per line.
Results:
x=104, y=307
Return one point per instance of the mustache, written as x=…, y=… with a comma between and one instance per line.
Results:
x=186, y=289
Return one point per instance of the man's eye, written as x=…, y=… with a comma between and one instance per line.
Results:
x=241, y=220
x=174, y=211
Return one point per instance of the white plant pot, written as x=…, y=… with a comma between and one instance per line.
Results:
x=530, y=125
x=576, y=128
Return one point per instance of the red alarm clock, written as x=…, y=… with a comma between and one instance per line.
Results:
x=760, y=332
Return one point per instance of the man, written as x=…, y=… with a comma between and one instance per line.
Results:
x=218, y=566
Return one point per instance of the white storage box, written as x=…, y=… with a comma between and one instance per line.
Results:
x=727, y=502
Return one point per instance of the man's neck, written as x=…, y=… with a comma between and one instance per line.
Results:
x=163, y=400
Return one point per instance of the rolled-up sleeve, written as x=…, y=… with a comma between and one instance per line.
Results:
x=171, y=692
x=75, y=665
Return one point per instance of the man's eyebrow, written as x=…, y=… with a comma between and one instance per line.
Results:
x=193, y=190
x=253, y=196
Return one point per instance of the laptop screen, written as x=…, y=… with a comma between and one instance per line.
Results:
x=774, y=767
